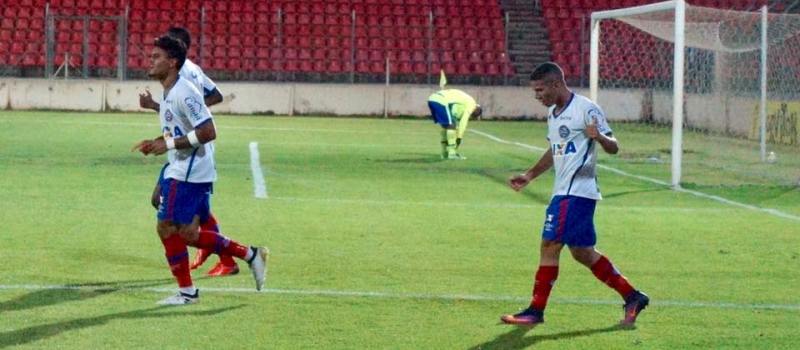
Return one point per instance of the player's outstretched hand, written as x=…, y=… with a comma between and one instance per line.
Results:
x=144, y=146
x=519, y=181
x=146, y=100
x=158, y=146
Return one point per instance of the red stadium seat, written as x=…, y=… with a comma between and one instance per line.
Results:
x=463, y=69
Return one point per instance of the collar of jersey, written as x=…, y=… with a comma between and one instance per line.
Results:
x=571, y=97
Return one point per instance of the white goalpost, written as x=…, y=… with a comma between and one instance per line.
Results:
x=720, y=68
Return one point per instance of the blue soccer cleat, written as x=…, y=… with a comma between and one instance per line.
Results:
x=634, y=304
x=527, y=317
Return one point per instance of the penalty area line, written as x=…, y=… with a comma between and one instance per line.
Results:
x=259, y=182
x=412, y=296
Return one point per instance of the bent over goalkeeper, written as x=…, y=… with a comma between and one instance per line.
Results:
x=452, y=109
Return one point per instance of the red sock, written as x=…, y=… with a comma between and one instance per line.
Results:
x=178, y=259
x=227, y=260
x=545, y=279
x=221, y=245
x=605, y=271
x=210, y=225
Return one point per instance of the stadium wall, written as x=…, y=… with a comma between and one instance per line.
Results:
x=500, y=102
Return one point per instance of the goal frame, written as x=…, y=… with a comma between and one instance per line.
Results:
x=679, y=8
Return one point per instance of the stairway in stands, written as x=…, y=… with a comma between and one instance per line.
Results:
x=528, y=43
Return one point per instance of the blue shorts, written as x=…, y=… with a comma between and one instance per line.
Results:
x=181, y=201
x=440, y=113
x=570, y=220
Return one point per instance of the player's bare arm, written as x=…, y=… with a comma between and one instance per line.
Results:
x=204, y=134
x=155, y=198
x=520, y=181
x=607, y=141
x=214, y=97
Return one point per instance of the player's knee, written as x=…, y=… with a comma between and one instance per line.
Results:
x=164, y=229
x=189, y=233
x=551, y=249
x=584, y=256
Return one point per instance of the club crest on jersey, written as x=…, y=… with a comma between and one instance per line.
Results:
x=594, y=113
x=168, y=116
x=563, y=131
x=194, y=107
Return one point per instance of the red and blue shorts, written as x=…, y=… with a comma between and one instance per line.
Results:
x=181, y=201
x=570, y=220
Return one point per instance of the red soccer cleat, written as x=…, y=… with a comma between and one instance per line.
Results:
x=200, y=258
x=221, y=269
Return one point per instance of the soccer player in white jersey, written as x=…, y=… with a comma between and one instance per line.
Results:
x=188, y=132
x=577, y=127
x=211, y=96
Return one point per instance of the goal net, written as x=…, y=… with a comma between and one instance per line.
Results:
x=729, y=118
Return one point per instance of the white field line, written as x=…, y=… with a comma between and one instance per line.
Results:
x=413, y=296
x=770, y=211
x=259, y=183
x=434, y=204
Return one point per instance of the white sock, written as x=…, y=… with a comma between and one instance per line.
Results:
x=249, y=254
x=191, y=290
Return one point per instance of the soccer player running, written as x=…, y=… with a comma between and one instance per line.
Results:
x=188, y=134
x=452, y=109
x=211, y=96
x=576, y=128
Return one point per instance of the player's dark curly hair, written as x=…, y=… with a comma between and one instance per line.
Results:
x=175, y=48
x=547, y=71
x=181, y=34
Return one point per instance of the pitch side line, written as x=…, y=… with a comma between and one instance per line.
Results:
x=770, y=211
x=413, y=296
x=259, y=183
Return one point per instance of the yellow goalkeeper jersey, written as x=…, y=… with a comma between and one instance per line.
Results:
x=457, y=102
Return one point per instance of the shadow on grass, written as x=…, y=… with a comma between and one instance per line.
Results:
x=415, y=158
x=625, y=193
x=75, y=292
x=36, y=333
x=502, y=178
x=517, y=339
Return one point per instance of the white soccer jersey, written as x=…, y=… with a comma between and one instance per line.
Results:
x=574, y=153
x=181, y=111
x=195, y=74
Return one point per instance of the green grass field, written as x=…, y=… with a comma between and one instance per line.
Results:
x=376, y=243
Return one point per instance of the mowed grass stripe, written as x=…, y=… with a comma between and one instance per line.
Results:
x=423, y=296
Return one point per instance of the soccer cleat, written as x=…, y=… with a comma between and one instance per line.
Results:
x=181, y=299
x=221, y=269
x=527, y=317
x=634, y=305
x=258, y=265
x=455, y=156
x=200, y=258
